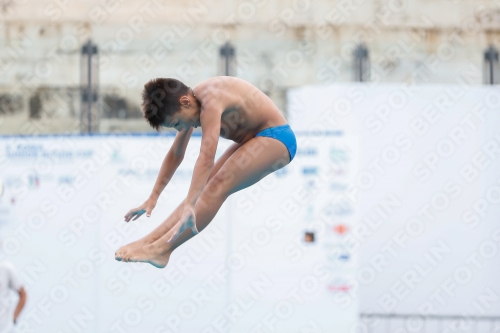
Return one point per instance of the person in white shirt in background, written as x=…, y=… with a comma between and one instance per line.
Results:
x=9, y=281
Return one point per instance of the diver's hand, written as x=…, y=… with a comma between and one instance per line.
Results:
x=187, y=221
x=147, y=207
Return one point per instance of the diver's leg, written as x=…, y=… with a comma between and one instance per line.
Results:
x=255, y=159
x=172, y=219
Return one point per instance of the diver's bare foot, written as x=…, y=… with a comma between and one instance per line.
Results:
x=150, y=238
x=150, y=253
x=124, y=250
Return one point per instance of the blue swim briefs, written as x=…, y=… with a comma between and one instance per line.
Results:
x=284, y=134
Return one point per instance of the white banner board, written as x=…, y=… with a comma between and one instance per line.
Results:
x=250, y=270
x=428, y=187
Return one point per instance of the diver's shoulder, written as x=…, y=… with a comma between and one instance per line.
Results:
x=220, y=81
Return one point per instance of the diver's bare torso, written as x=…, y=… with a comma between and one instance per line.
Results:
x=246, y=109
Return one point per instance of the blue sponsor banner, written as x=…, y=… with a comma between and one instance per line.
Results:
x=310, y=170
x=307, y=151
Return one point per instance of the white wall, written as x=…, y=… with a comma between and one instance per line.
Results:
x=428, y=187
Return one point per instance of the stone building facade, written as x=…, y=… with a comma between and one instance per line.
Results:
x=279, y=44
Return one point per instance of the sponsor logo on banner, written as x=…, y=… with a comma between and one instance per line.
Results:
x=12, y=181
x=34, y=151
x=340, y=229
x=151, y=173
x=310, y=170
x=310, y=184
x=342, y=208
x=143, y=174
x=337, y=172
x=309, y=215
x=344, y=256
x=33, y=181
x=338, y=155
x=338, y=254
x=281, y=172
x=116, y=156
x=337, y=187
x=309, y=237
x=307, y=152
x=66, y=179
x=340, y=285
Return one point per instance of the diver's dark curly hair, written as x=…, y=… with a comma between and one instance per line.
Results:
x=160, y=98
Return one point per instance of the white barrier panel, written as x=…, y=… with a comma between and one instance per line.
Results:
x=250, y=270
x=429, y=191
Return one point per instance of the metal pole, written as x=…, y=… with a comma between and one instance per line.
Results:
x=491, y=58
x=360, y=63
x=89, y=87
x=360, y=60
x=227, y=56
x=488, y=56
x=491, y=66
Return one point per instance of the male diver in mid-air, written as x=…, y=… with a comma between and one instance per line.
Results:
x=223, y=106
